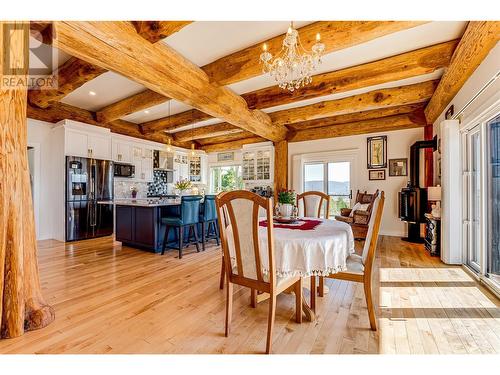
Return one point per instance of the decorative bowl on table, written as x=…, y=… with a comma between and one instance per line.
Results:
x=285, y=220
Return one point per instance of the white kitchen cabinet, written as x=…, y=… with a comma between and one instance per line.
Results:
x=100, y=146
x=122, y=152
x=143, y=162
x=87, y=144
x=257, y=164
x=198, y=169
x=76, y=144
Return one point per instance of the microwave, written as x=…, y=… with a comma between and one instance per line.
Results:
x=124, y=170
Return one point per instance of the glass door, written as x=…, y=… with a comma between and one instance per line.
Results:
x=339, y=186
x=472, y=208
x=493, y=200
x=332, y=178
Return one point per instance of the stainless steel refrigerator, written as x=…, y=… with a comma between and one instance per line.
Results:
x=89, y=198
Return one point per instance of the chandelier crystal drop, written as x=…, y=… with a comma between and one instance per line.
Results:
x=293, y=66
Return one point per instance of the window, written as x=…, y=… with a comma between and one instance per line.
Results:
x=225, y=178
x=493, y=200
x=481, y=191
x=333, y=178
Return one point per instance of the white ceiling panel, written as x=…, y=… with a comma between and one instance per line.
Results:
x=158, y=111
x=206, y=41
x=108, y=88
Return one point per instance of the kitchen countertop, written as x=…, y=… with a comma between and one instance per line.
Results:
x=144, y=202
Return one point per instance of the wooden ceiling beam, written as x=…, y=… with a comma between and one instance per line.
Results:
x=206, y=131
x=75, y=72
x=224, y=138
x=175, y=121
x=116, y=46
x=406, y=65
x=140, y=101
x=357, y=116
x=478, y=39
x=70, y=76
x=154, y=31
x=416, y=93
x=232, y=145
x=383, y=124
x=61, y=111
x=335, y=35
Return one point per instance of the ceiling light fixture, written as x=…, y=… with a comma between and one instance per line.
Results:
x=293, y=66
x=92, y=93
x=146, y=111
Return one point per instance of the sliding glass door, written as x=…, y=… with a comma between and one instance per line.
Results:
x=472, y=214
x=493, y=200
x=481, y=204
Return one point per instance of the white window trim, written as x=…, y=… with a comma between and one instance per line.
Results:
x=479, y=118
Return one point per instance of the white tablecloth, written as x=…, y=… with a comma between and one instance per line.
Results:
x=320, y=251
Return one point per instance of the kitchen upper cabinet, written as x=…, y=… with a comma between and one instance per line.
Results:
x=87, y=144
x=122, y=151
x=77, y=144
x=198, y=166
x=257, y=165
x=181, y=167
x=100, y=146
x=143, y=162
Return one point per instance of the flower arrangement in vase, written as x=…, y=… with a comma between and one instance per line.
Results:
x=286, y=203
x=182, y=185
x=133, y=191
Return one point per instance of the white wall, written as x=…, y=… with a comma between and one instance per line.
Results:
x=452, y=216
x=398, y=146
x=39, y=137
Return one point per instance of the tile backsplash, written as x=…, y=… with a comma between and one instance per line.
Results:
x=122, y=188
x=159, y=186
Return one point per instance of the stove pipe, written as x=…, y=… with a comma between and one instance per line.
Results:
x=415, y=159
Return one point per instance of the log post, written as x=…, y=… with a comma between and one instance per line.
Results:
x=22, y=307
x=280, y=167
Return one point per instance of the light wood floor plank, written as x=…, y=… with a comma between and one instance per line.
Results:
x=114, y=299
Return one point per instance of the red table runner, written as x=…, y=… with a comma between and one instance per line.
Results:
x=301, y=224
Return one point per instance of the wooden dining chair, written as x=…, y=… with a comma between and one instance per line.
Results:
x=238, y=214
x=313, y=202
x=359, y=267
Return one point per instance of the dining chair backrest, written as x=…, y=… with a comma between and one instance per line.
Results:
x=209, y=210
x=238, y=214
x=313, y=203
x=190, y=209
x=373, y=231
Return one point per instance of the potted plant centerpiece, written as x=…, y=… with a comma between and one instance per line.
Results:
x=182, y=186
x=286, y=202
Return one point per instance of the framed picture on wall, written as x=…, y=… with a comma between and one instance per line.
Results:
x=376, y=174
x=377, y=152
x=225, y=156
x=398, y=167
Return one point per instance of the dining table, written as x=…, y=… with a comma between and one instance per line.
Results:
x=307, y=247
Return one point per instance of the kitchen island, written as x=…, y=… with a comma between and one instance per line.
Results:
x=138, y=222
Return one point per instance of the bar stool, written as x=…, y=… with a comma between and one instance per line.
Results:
x=208, y=220
x=189, y=217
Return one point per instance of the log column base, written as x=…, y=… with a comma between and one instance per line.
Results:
x=39, y=318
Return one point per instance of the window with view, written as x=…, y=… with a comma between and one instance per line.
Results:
x=333, y=178
x=225, y=178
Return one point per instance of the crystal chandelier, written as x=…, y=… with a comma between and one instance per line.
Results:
x=293, y=65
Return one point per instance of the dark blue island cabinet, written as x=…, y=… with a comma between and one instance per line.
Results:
x=141, y=227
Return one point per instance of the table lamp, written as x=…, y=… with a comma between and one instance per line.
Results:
x=434, y=195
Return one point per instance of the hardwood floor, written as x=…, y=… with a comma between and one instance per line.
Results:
x=114, y=299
